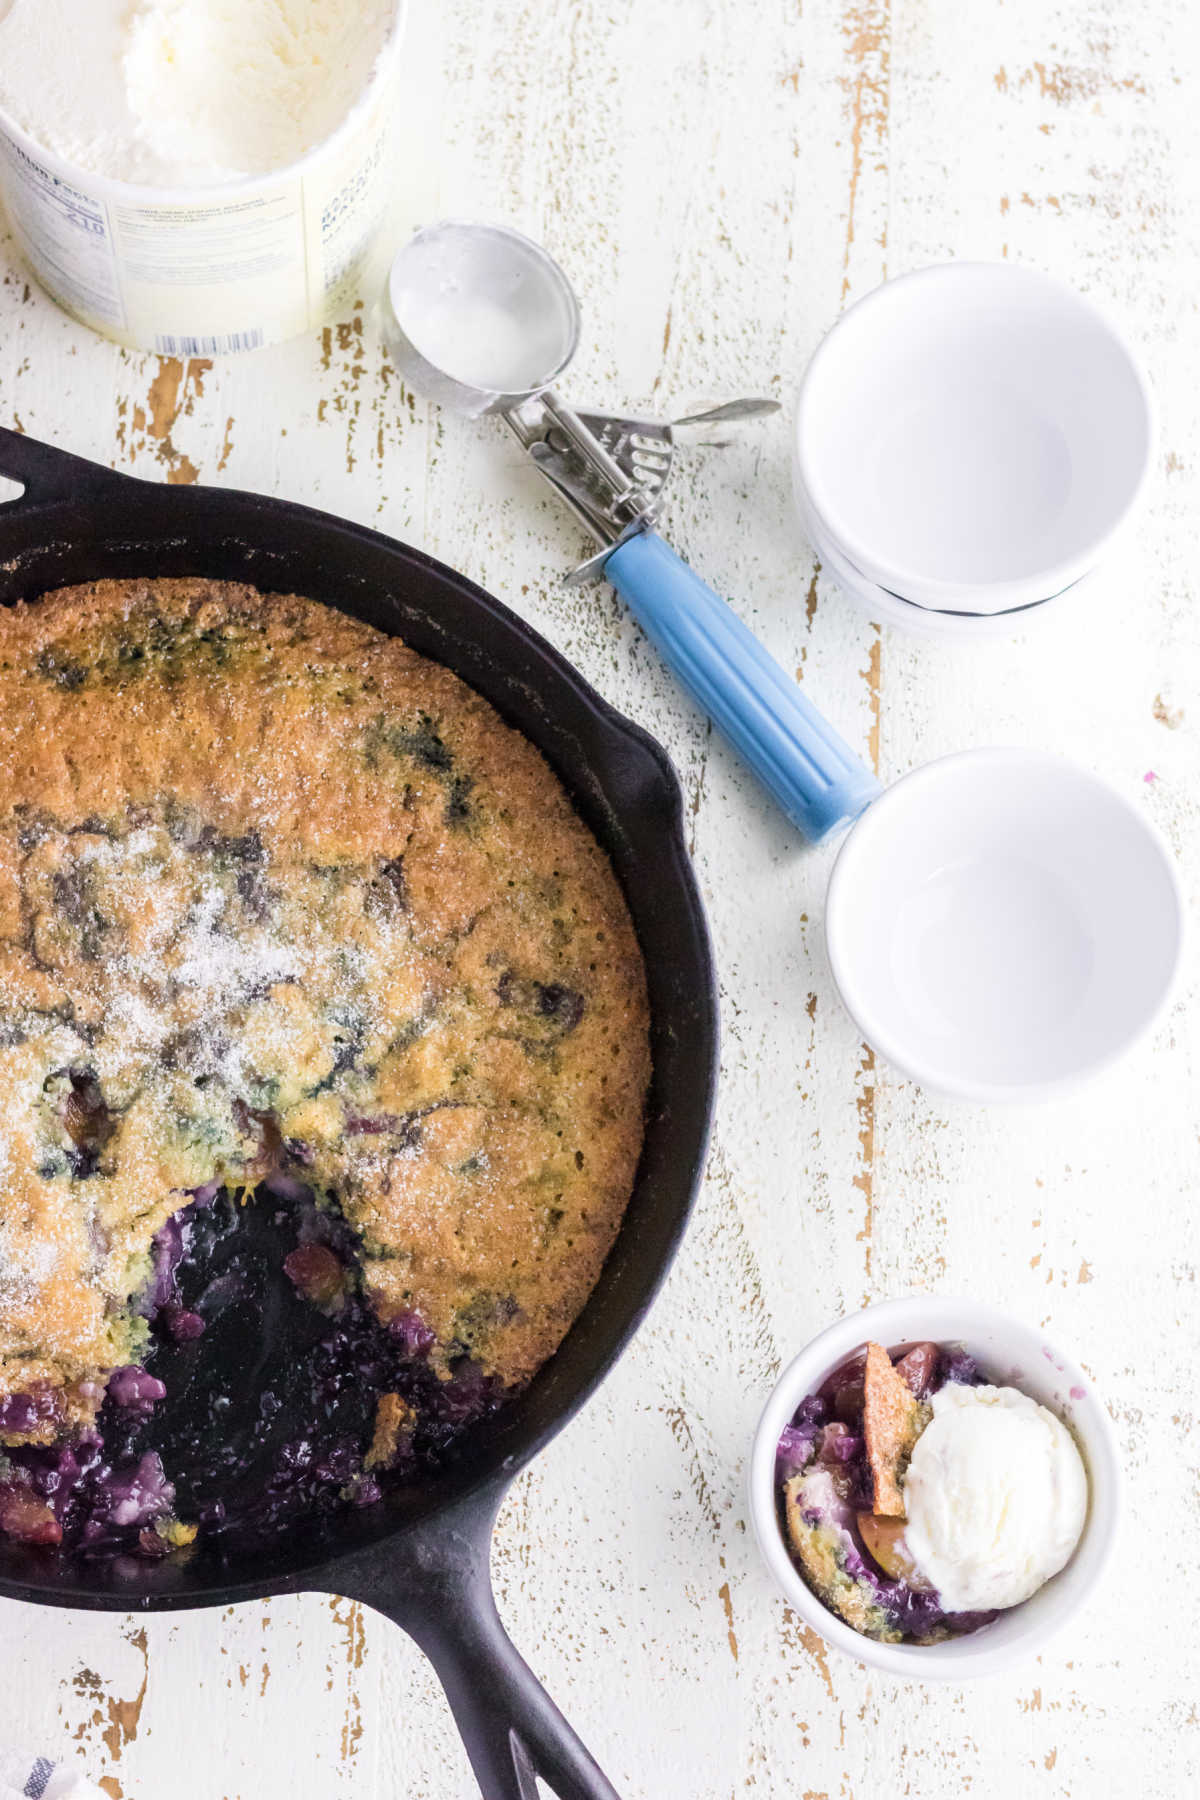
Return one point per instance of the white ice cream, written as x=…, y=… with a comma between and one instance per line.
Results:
x=996, y=1496
x=186, y=92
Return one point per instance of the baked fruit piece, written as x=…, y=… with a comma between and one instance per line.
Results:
x=280, y=898
x=892, y=1420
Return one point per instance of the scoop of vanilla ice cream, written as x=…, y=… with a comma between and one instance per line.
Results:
x=246, y=86
x=187, y=92
x=996, y=1496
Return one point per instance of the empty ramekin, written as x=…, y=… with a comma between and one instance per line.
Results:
x=1003, y=925
x=1012, y=1354
x=972, y=436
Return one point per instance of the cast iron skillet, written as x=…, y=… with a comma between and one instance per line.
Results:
x=421, y=1556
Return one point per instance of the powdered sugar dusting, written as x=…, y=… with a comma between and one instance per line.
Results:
x=25, y=1265
x=222, y=966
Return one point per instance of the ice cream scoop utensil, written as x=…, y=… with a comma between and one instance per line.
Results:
x=482, y=320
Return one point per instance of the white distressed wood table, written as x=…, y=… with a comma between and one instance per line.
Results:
x=721, y=177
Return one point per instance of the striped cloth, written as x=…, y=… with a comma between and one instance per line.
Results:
x=27, y=1777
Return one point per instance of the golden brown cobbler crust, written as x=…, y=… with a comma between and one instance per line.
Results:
x=266, y=873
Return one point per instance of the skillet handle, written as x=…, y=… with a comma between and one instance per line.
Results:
x=434, y=1581
x=50, y=474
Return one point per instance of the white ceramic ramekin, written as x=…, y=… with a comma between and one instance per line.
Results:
x=923, y=621
x=972, y=436
x=1003, y=925
x=1010, y=1354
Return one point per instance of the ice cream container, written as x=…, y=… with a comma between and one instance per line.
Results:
x=1010, y=1353
x=206, y=271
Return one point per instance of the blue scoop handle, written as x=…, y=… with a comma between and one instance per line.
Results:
x=815, y=777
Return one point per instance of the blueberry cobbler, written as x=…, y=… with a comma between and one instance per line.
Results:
x=919, y=1501
x=293, y=929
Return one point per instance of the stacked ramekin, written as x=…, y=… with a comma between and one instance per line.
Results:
x=969, y=441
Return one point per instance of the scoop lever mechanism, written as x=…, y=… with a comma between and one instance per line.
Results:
x=610, y=470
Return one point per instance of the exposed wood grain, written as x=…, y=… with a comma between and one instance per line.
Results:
x=721, y=180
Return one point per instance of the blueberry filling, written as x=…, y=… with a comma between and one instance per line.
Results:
x=256, y=1405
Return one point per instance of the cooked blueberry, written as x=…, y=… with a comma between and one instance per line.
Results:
x=957, y=1364
x=61, y=670
x=427, y=747
x=561, y=1005
x=20, y=1413
x=392, y=872
x=133, y=1389
x=181, y=1325
x=458, y=806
